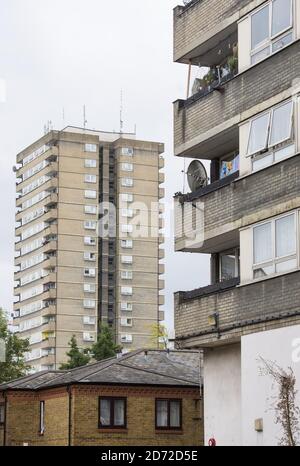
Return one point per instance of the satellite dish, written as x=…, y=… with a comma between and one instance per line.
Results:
x=15, y=169
x=197, y=176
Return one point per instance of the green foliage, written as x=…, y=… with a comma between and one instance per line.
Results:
x=105, y=347
x=159, y=336
x=77, y=357
x=14, y=365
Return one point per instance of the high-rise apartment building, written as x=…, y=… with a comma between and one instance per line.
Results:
x=241, y=115
x=88, y=241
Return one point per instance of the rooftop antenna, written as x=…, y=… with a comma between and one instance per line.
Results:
x=84, y=117
x=121, y=113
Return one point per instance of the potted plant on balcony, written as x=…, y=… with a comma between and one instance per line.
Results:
x=232, y=64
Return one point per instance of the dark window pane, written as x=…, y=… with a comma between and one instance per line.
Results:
x=174, y=413
x=162, y=413
x=105, y=412
x=119, y=413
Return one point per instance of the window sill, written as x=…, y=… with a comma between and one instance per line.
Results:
x=112, y=431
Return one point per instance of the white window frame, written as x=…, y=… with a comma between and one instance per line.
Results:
x=269, y=42
x=90, y=225
x=127, y=260
x=276, y=260
x=126, y=275
x=127, y=182
x=126, y=322
x=89, y=256
x=127, y=167
x=90, y=209
x=89, y=303
x=89, y=288
x=268, y=145
x=127, y=243
x=88, y=147
x=90, y=163
x=91, y=272
x=90, y=241
x=126, y=307
x=90, y=178
x=127, y=151
x=90, y=194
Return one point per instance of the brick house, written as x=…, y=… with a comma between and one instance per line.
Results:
x=147, y=397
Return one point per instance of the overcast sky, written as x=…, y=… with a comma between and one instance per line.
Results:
x=66, y=53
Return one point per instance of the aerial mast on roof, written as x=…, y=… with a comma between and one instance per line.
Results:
x=121, y=113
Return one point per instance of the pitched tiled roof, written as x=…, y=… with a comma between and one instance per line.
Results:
x=141, y=367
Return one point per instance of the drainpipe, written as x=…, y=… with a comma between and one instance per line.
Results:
x=70, y=416
x=5, y=419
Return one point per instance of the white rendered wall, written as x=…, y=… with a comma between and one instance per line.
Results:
x=222, y=395
x=257, y=391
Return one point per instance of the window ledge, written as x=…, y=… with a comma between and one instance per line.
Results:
x=270, y=277
x=112, y=431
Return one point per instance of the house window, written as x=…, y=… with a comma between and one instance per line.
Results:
x=89, y=241
x=126, y=259
x=89, y=272
x=89, y=288
x=89, y=256
x=89, y=303
x=168, y=414
x=127, y=243
x=90, y=209
x=271, y=136
x=127, y=213
x=90, y=194
x=128, y=151
x=127, y=167
x=229, y=265
x=42, y=418
x=275, y=246
x=127, y=228
x=2, y=414
x=90, y=225
x=112, y=413
x=90, y=147
x=127, y=197
x=126, y=275
x=127, y=182
x=271, y=29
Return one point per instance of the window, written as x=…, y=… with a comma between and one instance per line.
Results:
x=89, y=272
x=89, y=256
x=127, y=243
x=168, y=414
x=127, y=228
x=127, y=167
x=90, y=209
x=126, y=275
x=90, y=225
x=90, y=147
x=90, y=163
x=112, y=413
x=275, y=246
x=127, y=182
x=88, y=336
x=126, y=197
x=126, y=307
x=89, y=320
x=128, y=213
x=90, y=194
x=42, y=418
x=89, y=288
x=127, y=151
x=2, y=413
x=229, y=164
x=89, y=303
x=126, y=338
x=89, y=241
x=126, y=322
x=271, y=136
x=271, y=29
x=229, y=265
x=127, y=259
x=90, y=178
x=126, y=290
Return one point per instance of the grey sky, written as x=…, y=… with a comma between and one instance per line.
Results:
x=64, y=53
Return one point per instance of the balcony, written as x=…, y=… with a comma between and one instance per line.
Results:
x=206, y=125
x=201, y=25
x=50, y=155
x=47, y=217
x=209, y=220
x=222, y=313
x=50, y=186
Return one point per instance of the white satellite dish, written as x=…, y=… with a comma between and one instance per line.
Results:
x=197, y=176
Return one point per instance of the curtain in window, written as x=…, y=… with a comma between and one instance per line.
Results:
x=262, y=243
x=281, y=16
x=260, y=27
x=105, y=412
x=174, y=414
x=259, y=133
x=285, y=236
x=119, y=413
x=162, y=414
x=281, y=123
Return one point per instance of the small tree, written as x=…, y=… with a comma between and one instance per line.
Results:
x=159, y=336
x=105, y=347
x=14, y=365
x=77, y=357
x=284, y=404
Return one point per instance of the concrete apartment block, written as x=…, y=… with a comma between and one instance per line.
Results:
x=70, y=276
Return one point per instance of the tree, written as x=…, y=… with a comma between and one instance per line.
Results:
x=77, y=357
x=159, y=336
x=105, y=347
x=13, y=366
x=284, y=404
